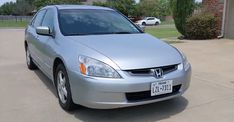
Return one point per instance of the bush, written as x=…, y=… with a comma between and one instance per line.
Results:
x=201, y=26
x=181, y=10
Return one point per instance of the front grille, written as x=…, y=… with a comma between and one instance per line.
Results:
x=150, y=72
x=146, y=95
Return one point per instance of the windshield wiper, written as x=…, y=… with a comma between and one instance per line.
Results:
x=124, y=32
x=76, y=34
x=83, y=34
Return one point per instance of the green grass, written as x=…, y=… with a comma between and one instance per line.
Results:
x=169, y=22
x=163, y=32
x=13, y=24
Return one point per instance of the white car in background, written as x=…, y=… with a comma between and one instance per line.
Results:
x=149, y=21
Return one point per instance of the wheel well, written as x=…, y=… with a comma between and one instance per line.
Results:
x=25, y=44
x=57, y=61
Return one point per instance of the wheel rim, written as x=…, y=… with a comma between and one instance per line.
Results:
x=61, y=87
x=28, y=59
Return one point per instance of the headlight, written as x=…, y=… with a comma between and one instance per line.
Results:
x=186, y=64
x=95, y=68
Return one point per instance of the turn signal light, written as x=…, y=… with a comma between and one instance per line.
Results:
x=82, y=69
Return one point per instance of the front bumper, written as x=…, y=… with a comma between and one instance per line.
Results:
x=105, y=93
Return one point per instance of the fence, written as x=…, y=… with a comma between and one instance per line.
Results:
x=15, y=18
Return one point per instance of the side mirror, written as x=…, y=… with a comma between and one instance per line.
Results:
x=43, y=30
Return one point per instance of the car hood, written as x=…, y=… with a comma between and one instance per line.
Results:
x=132, y=51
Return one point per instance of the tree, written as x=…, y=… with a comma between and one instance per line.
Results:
x=137, y=12
x=149, y=7
x=7, y=8
x=23, y=7
x=42, y=3
x=155, y=8
x=164, y=8
x=124, y=6
x=127, y=7
x=20, y=7
x=181, y=10
x=98, y=3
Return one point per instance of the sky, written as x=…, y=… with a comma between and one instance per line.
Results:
x=199, y=0
x=3, y=1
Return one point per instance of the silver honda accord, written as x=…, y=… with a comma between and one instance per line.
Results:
x=96, y=57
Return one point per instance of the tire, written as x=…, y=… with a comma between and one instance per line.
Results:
x=29, y=61
x=63, y=88
x=157, y=23
x=143, y=23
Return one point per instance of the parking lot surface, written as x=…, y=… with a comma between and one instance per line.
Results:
x=28, y=96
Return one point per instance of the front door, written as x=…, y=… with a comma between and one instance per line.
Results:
x=46, y=43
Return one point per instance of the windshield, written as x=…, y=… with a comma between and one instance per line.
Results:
x=90, y=22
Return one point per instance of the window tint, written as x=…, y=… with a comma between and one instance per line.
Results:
x=150, y=19
x=38, y=19
x=49, y=19
x=88, y=22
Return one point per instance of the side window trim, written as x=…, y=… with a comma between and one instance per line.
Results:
x=47, y=10
x=36, y=17
x=33, y=19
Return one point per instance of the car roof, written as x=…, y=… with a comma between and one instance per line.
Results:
x=60, y=7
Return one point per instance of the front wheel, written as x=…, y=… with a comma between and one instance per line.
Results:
x=63, y=88
x=157, y=23
x=143, y=23
x=31, y=65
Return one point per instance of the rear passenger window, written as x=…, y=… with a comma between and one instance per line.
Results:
x=151, y=19
x=38, y=20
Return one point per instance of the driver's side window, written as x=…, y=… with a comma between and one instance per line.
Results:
x=49, y=19
x=38, y=19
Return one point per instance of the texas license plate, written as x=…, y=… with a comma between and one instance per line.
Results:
x=161, y=87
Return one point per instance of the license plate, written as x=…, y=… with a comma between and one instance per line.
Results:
x=161, y=87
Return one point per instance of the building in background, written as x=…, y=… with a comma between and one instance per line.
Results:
x=224, y=11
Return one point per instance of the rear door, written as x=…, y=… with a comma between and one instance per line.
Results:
x=32, y=36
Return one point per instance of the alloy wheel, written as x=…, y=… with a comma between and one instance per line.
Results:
x=28, y=58
x=61, y=87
